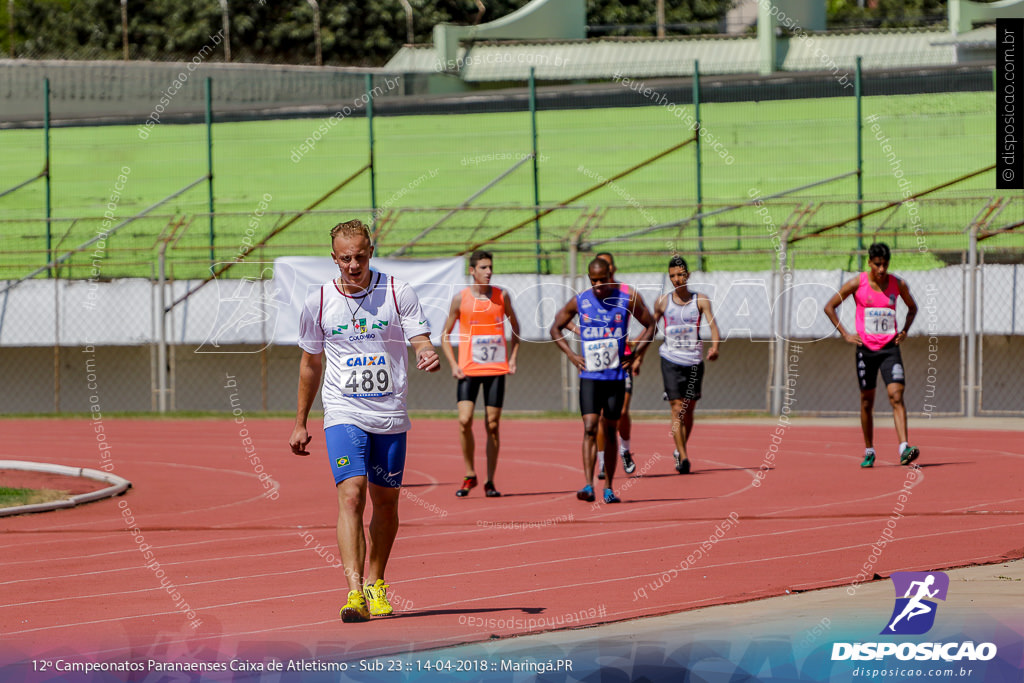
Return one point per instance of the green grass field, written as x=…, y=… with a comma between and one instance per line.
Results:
x=13, y=497
x=439, y=161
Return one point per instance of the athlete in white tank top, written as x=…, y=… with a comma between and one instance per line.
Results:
x=682, y=332
x=682, y=353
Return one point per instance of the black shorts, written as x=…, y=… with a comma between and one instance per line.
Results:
x=682, y=381
x=886, y=359
x=494, y=389
x=605, y=396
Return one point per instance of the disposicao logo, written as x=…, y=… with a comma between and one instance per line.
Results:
x=914, y=614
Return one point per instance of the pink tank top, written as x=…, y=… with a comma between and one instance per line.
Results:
x=876, y=312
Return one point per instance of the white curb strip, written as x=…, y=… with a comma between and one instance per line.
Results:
x=117, y=485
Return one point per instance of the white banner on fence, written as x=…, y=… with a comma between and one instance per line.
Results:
x=435, y=282
x=257, y=309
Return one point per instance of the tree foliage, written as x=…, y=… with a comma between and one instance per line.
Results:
x=885, y=13
x=353, y=32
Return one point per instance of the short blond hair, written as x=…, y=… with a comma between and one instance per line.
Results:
x=352, y=228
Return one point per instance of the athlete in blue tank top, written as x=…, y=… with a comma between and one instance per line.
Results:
x=604, y=312
x=603, y=326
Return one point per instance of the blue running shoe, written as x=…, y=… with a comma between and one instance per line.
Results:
x=610, y=497
x=586, y=493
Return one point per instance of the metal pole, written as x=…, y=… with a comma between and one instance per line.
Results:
x=972, y=333
x=979, y=374
x=10, y=31
x=209, y=160
x=46, y=168
x=860, y=168
x=264, y=354
x=373, y=165
x=571, y=383
x=124, y=28
x=410, y=36
x=700, y=185
x=56, y=346
x=536, y=182
x=778, y=325
x=316, y=31
x=161, y=353
x=225, y=20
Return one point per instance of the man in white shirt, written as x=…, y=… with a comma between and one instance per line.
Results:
x=361, y=321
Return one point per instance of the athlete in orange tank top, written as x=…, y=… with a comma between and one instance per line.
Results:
x=485, y=357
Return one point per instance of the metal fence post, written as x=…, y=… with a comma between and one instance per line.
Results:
x=46, y=169
x=700, y=167
x=209, y=160
x=971, y=313
x=161, y=354
x=569, y=376
x=373, y=164
x=536, y=181
x=56, y=345
x=779, y=324
x=857, y=93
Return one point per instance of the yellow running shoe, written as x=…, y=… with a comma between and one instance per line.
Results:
x=355, y=609
x=376, y=596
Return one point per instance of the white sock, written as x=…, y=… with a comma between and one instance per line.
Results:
x=903, y=447
x=623, y=446
x=600, y=458
x=869, y=451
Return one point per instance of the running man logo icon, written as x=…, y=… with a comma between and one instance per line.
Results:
x=914, y=613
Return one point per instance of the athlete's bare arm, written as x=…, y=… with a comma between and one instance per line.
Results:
x=639, y=311
x=660, y=304
x=848, y=288
x=426, y=355
x=446, y=343
x=908, y=299
x=562, y=320
x=310, y=369
x=513, y=351
x=704, y=306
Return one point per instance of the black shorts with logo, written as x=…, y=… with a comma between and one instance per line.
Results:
x=494, y=389
x=605, y=396
x=886, y=359
x=682, y=381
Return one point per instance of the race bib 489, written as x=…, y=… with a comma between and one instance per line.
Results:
x=367, y=375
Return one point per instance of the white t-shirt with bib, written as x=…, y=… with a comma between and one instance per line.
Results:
x=364, y=340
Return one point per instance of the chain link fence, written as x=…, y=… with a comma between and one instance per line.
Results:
x=769, y=181
x=75, y=343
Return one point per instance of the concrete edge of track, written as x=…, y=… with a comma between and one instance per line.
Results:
x=982, y=587
x=117, y=485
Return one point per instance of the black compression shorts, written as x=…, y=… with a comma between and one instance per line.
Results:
x=494, y=389
x=605, y=396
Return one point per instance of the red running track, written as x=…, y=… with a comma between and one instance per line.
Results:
x=466, y=570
